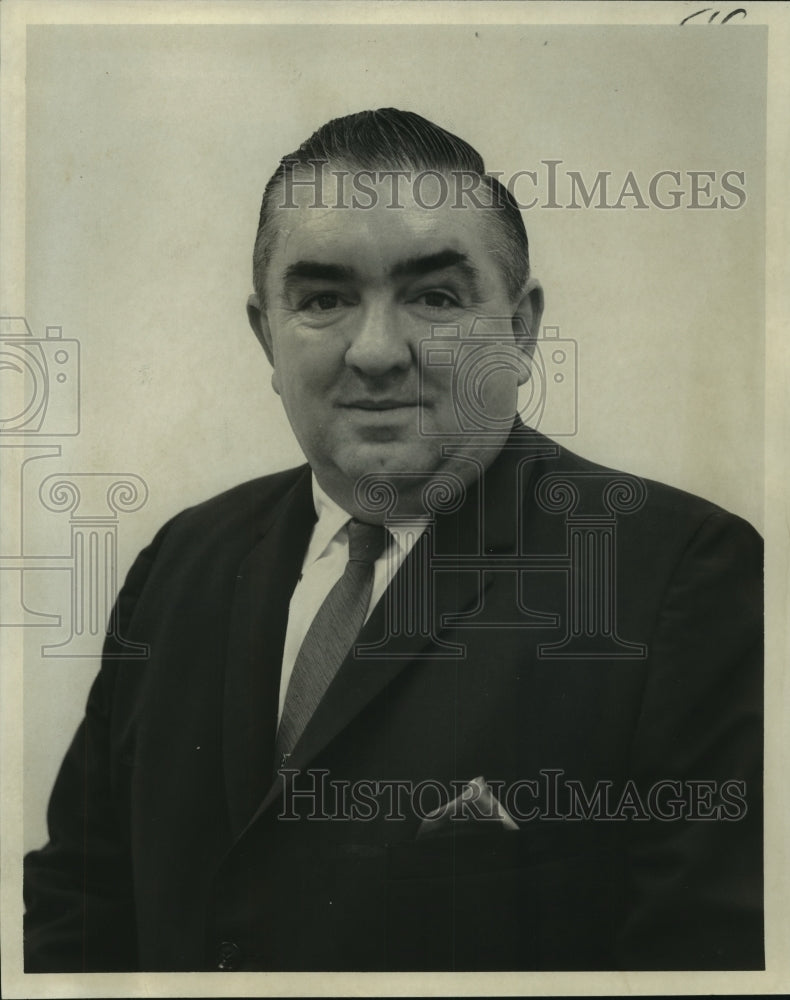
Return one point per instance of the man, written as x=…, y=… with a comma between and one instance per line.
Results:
x=449, y=697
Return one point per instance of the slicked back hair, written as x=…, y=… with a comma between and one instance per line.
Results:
x=386, y=140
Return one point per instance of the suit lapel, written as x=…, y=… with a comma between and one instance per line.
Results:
x=366, y=671
x=259, y=617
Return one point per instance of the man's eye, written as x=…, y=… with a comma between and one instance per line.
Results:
x=322, y=302
x=437, y=300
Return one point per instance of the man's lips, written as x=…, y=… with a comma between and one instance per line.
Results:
x=379, y=404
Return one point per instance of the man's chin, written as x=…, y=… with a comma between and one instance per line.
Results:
x=433, y=458
x=402, y=481
x=383, y=458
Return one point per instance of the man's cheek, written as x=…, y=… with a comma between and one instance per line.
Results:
x=304, y=376
x=500, y=395
x=437, y=386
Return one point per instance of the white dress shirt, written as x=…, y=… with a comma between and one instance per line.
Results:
x=324, y=564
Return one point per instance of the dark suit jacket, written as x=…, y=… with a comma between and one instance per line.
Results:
x=587, y=648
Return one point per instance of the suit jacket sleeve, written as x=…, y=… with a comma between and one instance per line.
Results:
x=696, y=883
x=78, y=888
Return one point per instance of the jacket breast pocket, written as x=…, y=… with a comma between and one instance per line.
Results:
x=498, y=900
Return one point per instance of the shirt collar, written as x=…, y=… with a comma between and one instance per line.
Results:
x=332, y=519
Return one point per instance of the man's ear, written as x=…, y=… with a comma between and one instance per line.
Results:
x=527, y=318
x=260, y=326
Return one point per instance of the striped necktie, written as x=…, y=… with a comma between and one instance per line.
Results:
x=331, y=634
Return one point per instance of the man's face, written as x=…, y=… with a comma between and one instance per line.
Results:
x=352, y=294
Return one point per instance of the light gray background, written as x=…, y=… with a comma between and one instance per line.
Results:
x=147, y=152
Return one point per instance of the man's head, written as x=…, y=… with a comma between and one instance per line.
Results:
x=379, y=229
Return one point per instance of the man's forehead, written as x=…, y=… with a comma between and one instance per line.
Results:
x=381, y=232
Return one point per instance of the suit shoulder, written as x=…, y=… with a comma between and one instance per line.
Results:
x=663, y=509
x=234, y=514
x=253, y=497
x=208, y=540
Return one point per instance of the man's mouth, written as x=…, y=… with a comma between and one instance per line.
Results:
x=380, y=404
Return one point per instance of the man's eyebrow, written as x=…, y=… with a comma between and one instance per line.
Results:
x=313, y=270
x=417, y=266
x=411, y=267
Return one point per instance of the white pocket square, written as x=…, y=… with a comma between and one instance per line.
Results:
x=476, y=804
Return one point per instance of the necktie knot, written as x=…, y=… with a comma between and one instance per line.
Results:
x=366, y=542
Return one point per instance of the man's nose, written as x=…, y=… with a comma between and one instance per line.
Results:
x=380, y=343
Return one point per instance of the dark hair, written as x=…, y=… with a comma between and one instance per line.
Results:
x=389, y=139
